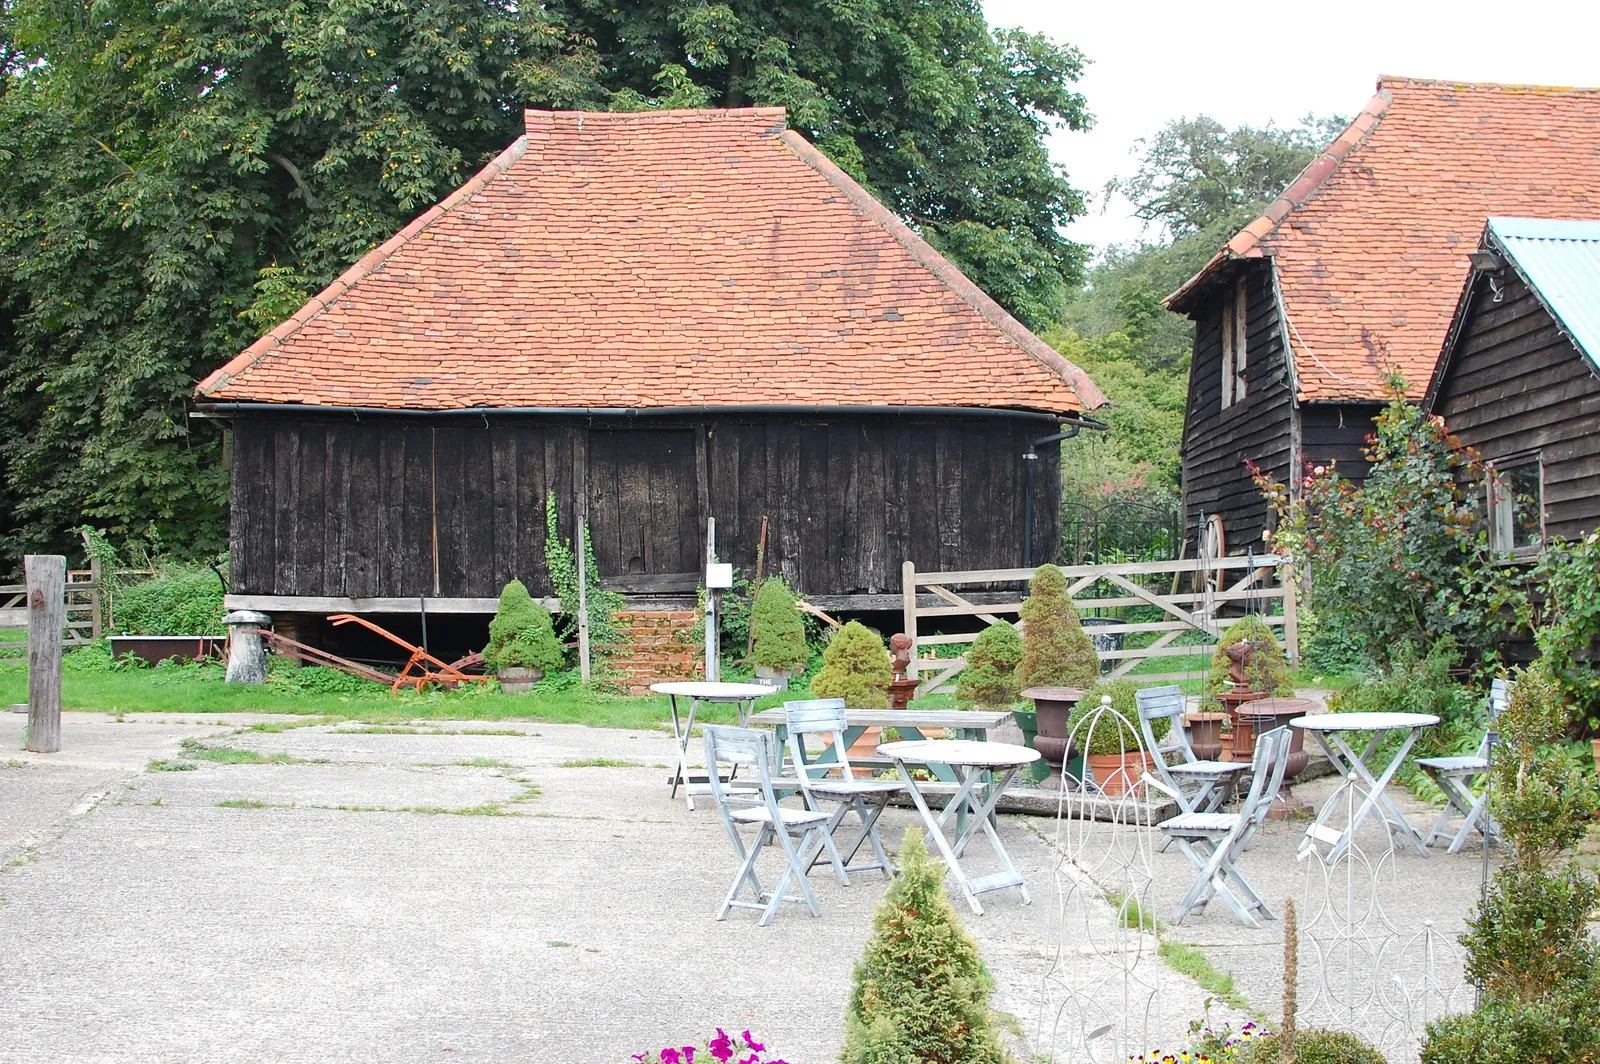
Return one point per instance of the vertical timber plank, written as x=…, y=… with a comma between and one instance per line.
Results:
x=47, y=611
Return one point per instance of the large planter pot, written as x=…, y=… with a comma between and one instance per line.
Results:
x=1242, y=733
x=1028, y=721
x=518, y=681
x=1052, y=706
x=1117, y=774
x=774, y=677
x=1205, y=734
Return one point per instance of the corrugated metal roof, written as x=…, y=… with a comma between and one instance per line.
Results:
x=1560, y=260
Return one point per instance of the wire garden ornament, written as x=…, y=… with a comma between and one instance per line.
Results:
x=1098, y=991
x=1366, y=975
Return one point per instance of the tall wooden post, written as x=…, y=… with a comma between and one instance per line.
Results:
x=583, y=592
x=908, y=593
x=47, y=613
x=1291, y=611
x=713, y=622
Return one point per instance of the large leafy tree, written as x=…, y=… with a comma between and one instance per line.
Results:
x=180, y=174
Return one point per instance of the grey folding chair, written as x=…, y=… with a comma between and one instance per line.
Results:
x=863, y=796
x=1456, y=776
x=799, y=833
x=1213, y=842
x=1197, y=786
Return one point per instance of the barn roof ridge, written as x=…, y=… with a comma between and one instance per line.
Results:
x=685, y=243
x=1362, y=241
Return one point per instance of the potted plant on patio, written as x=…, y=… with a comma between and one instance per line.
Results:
x=1247, y=666
x=780, y=648
x=990, y=679
x=856, y=668
x=522, y=641
x=1058, y=662
x=1113, y=754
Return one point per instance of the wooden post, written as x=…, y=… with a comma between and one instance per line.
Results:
x=47, y=613
x=95, y=599
x=713, y=633
x=1291, y=615
x=583, y=592
x=908, y=593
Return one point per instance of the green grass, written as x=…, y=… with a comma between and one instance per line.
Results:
x=483, y=762
x=1130, y=912
x=243, y=803
x=229, y=755
x=1191, y=961
x=600, y=762
x=160, y=765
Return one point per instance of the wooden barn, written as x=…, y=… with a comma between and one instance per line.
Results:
x=659, y=318
x=1519, y=379
x=1353, y=271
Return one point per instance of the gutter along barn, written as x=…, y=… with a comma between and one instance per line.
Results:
x=661, y=317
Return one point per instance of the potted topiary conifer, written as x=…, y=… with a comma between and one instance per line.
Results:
x=921, y=992
x=522, y=641
x=990, y=679
x=1113, y=745
x=780, y=635
x=1058, y=662
x=855, y=667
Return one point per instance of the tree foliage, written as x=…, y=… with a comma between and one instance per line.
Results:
x=180, y=175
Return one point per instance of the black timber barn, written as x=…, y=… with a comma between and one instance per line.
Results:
x=657, y=318
x=1353, y=273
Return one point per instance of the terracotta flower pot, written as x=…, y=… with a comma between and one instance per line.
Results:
x=1117, y=774
x=1205, y=734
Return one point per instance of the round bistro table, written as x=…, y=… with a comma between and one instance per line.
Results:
x=742, y=696
x=1330, y=730
x=974, y=764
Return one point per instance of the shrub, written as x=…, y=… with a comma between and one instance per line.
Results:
x=1567, y=625
x=1111, y=735
x=179, y=600
x=1561, y=1029
x=1315, y=1047
x=990, y=679
x=780, y=634
x=1055, y=650
x=522, y=634
x=856, y=668
x=1268, y=670
x=920, y=994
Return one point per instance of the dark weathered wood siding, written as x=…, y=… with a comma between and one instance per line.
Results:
x=1515, y=386
x=386, y=507
x=1336, y=432
x=1217, y=443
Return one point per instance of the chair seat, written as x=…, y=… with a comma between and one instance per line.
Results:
x=794, y=818
x=1200, y=824
x=1454, y=764
x=851, y=788
x=1209, y=768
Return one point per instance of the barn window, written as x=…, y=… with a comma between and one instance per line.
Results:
x=1516, y=505
x=1234, y=320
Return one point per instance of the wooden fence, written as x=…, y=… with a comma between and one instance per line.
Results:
x=83, y=612
x=1263, y=585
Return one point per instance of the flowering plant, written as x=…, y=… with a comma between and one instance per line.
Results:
x=724, y=1049
x=1206, y=1046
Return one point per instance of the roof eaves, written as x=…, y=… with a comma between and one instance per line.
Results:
x=369, y=262
x=1088, y=394
x=1247, y=242
x=1503, y=234
x=1452, y=335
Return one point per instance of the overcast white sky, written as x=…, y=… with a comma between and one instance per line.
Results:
x=1155, y=60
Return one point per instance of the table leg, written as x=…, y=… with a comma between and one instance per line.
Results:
x=935, y=830
x=983, y=822
x=1318, y=830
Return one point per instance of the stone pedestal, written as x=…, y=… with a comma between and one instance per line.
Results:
x=247, y=658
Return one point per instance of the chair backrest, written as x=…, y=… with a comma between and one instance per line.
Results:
x=751, y=748
x=816, y=716
x=1500, y=690
x=1271, y=759
x=1155, y=703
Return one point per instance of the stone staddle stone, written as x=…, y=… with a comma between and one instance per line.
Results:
x=247, y=659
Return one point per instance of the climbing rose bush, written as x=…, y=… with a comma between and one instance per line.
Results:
x=724, y=1049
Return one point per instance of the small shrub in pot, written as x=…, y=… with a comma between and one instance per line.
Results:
x=522, y=635
x=856, y=668
x=1056, y=652
x=990, y=679
x=780, y=634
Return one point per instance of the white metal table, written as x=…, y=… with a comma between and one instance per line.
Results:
x=740, y=695
x=1330, y=729
x=974, y=764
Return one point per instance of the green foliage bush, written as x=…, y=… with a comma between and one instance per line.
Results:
x=1567, y=621
x=562, y=565
x=990, y=679
x=1563, y=1028
x=1055, y=650
x=1110, y=735
x=920, y=994
x=1268, y=669
x=179, y=600
x=522, y=634
x=780, y=634
x=856, y=668
x=1313, y=1047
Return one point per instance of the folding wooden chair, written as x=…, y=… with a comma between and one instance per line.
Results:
x=1456, y=776
x=800, y=833
x=1213, y=842
x=1197, y=786
x=865, y=797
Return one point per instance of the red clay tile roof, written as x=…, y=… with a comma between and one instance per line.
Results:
x=1370, y=242
x=664, y=259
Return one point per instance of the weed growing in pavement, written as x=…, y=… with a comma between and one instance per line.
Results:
x=600, y=762
x=243, y=803
x=1191, y=961
x=230, y=755
x=160, y=765
x=483, y=762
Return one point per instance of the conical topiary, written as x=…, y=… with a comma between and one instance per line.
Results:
x=1268, y=670
x=990, y=679
x=920, y=993
x=856, y=668
x=780, y=634
x=1055, y=650
x=522, y=634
